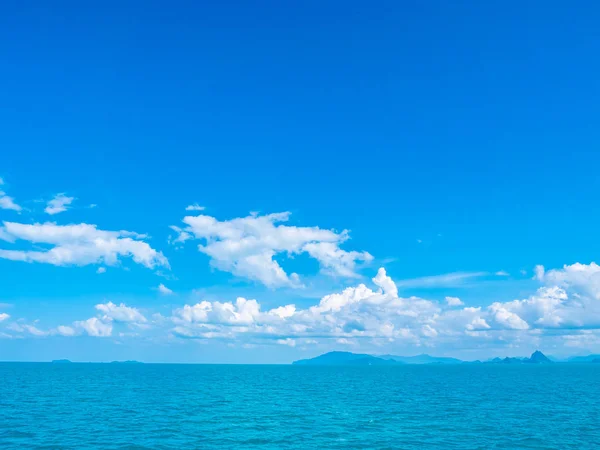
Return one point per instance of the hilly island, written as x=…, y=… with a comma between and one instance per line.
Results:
x=362, y=359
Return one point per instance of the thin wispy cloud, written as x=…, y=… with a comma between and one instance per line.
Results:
x=444, y=280
x=164, y=290
x=58, y=204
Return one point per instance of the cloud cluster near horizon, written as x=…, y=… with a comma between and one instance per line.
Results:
x=565, y=308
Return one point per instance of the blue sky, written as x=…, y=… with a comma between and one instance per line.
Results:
x=456, y=144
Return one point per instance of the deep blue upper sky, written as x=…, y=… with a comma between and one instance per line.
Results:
x=446, y=137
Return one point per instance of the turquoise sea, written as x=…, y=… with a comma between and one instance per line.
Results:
x=153, y=406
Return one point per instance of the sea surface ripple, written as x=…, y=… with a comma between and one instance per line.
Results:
x=156, y=406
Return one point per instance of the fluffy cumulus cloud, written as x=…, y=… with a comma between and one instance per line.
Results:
x=58, y=204
x=570, y=298
x=454, y=301
x=93, y=327
x=103, y=324
x=109, y=316
x=78, y=245
x=3, y=316
x=247, y=246
x=567, y=308
x=355, y=313
x=564, y=310
x=120, y=313
x=581, y=277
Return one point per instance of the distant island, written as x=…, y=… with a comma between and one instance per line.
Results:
x=361, y=359
x=126, y=362
x=584, y=359
x=66, y=361
x=345, y=359
x=536, y=358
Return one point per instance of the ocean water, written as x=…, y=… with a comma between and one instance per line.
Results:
x=288, y=407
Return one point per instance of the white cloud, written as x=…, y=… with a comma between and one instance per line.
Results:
x=539, y=272
x=570, y=298
x=247, y=246
x=95, y=327
x=502, y=273
x=164, y=290
x=195, y=207
x=565, y=312
x=243, y=312
x=78, y=245
x=58, y=204
x=454, y=301
x=385, y=283
x=34, y=331
x=284, y=312
x=101, y=270
x=356, y=312
x=109, y=314
x=429, y=331
x=478, y=323
x=334, y=260
x=65, y=331
x=359, y=313
x=3, y=317
x=583, y=277
x=289, y=342
x=120, y=313
x=7, y=202
x=507, y=318
x=27, y=329
x=15, y=327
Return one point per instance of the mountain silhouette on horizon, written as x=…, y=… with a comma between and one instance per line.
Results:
x=536, y=357
x=345, y=359
x=338, y=358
